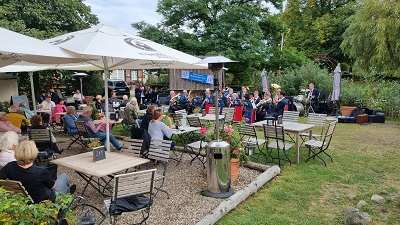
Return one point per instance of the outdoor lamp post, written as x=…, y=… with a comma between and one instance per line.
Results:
x=218, y=151
x=80, y=76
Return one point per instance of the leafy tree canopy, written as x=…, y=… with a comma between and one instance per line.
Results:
x=222, y=27
x=45, y=18
x=316, y=27
x=372, y=38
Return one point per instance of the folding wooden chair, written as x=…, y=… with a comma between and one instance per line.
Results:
x=194, y=122
x=133, y=185
x=198, y=148
x=248, y=134
x=275, y=137
x=42, y=139
x=159, y=152
x=74, y=137
x=84, y=134
x=293, y=117
x=229, y=114
x=320, y=147
x=177, y=117
x=16, y=187
x=318, y=120
x=132, y=147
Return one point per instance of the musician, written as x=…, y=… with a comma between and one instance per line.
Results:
x=183, y=100
x=264, y=108
x=256, y=98
x=208, y=99
x=280, y=104
x=313, y=95
x=242, y=93
x=171, y=101
x=235, y=101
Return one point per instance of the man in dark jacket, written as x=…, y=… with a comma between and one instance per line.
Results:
x=280, y=105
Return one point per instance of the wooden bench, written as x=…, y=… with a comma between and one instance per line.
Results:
x=15, y=187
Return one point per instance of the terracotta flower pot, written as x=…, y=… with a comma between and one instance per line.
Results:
x=347, y=110
x=235, y=165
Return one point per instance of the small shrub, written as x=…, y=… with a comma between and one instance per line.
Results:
x=15, y=210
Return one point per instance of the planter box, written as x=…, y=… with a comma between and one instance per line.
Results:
x=347, y=110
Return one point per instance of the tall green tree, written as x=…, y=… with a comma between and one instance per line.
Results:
x=45, y=18
x=222, y=27
x=316, y=27
x=372, y=38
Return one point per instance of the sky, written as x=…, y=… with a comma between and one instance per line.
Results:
x=120, y=14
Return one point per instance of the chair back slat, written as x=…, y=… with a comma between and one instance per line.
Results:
x=15, y=187
x=81, y=127
x=329, y=134
x=177, y=118
x=229, y=114
x=194, y=122
x=159, y=150
x=211, y=110
x=134, y=183
x=132, y=146
x=182, y=112
x=291, y=116
x=316, y=119
x=40, y=135
x=247, y=130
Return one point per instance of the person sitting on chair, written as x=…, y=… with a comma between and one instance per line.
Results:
x=37, y=123
x=131, y=112
x=148, y=117
x=280, y=104
x=183, y=100
x=159, y=130
x=313, y=95
x=23, y=109
x=60, y=108
x=96, y=133
x=125, y=101
x=48, y=104
x=6, y=125
x=35, y=179
x=8, y=142
x=15, y=118
x=69, y=119
x=171, y=101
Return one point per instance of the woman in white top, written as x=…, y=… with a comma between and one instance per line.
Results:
x=159, y=130
x=8, y=142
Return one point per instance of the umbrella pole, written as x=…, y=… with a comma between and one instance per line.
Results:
x=105, y=62
x=33, y=92
x=81, y=86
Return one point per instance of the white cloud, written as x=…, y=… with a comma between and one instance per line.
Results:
x=121, y=14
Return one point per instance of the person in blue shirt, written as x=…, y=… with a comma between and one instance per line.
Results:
x=69, y=119
x=183, y=100
x=280, y=105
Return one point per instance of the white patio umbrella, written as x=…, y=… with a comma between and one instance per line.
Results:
x=264, y=80
x=336, y=83
x=119, y=50
x=15, y=47
x=19, y=48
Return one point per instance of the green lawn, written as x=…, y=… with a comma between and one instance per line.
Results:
x=366, y=161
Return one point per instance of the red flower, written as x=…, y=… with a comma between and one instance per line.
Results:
x=203, y=131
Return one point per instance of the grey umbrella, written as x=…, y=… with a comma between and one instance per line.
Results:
x=336, y=83
x=264, y=80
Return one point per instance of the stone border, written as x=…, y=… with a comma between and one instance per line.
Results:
x=227, y=205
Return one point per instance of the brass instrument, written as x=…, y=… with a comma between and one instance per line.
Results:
x=172, y=101
x=189, y=97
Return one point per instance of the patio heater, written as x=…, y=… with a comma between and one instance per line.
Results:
x=218, y=151
x=80, y=76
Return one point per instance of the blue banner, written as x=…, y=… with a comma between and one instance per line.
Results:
x=197, y=77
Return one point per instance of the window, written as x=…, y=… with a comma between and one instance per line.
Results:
x=134, y=75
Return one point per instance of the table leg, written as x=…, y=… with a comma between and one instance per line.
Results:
x=297, y=148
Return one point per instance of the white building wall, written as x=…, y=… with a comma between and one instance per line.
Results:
x=8, y=88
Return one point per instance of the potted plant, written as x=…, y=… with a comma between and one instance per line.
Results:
x=351, y=97
x=196, y=111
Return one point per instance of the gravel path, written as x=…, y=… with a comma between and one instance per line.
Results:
x=184, y=183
